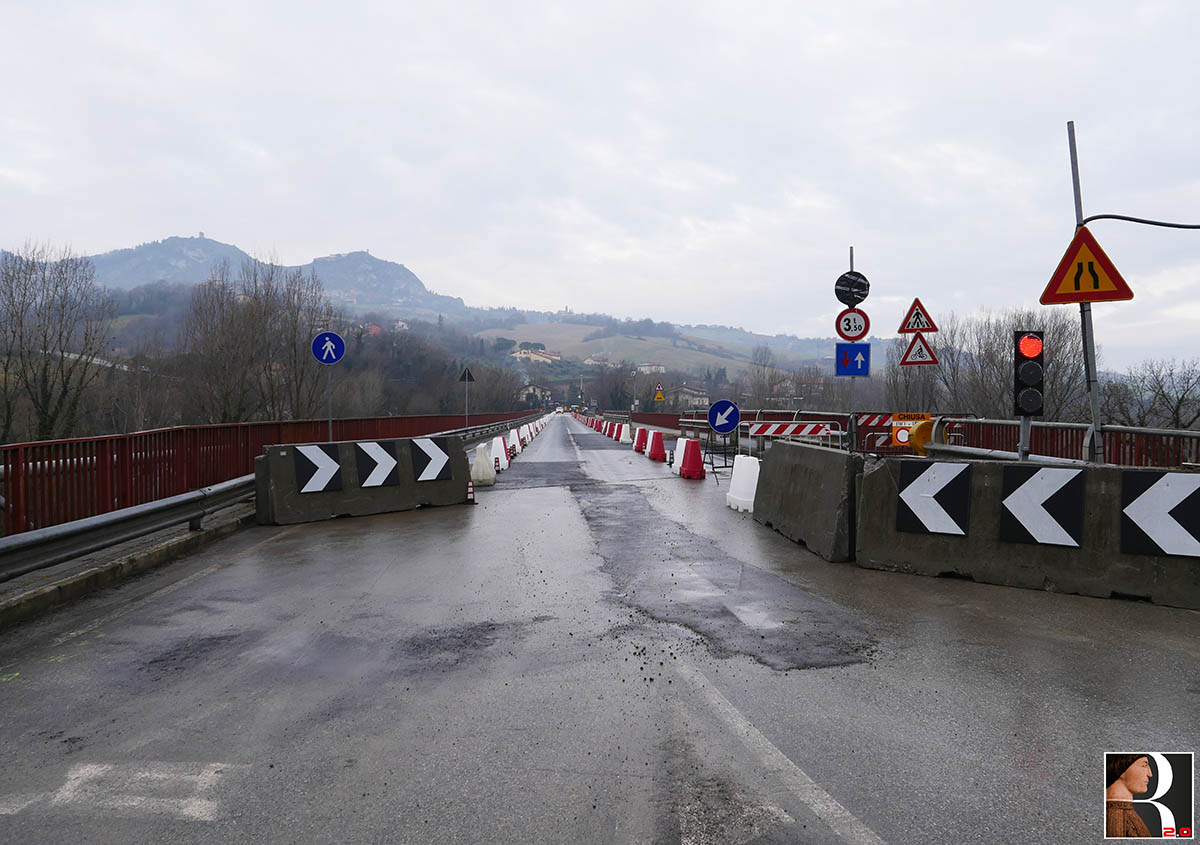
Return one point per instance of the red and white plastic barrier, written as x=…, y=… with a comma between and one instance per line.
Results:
x=798, y=429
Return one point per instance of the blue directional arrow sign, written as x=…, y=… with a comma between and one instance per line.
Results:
x=852, y=359
x=723, y=416
x=328, y=347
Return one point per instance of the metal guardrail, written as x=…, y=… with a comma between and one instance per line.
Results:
x=31, y=550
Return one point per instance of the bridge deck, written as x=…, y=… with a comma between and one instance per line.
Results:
x=598, y=651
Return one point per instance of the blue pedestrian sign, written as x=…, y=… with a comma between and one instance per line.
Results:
x=328, y=347
x=852, y=359
x=723, y=416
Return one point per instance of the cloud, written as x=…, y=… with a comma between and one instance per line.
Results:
x=689, y=162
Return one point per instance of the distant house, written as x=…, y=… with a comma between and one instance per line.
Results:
x=596, y=361
x=373, y=329
x=651, y=368
x=401, y=326
x=536, y=356
x=684, y=396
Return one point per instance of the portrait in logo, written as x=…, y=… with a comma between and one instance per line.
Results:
x=1149, y=795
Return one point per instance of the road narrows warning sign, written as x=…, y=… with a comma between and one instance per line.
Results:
x=1085, y=274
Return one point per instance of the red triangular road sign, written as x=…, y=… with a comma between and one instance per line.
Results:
x=1085, y=274
x=918, y=352
x=917, y=319
x=658, y=388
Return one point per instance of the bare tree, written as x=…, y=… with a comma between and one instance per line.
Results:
x=287, y=309
x=495, y=388
x=14, y=312
x=974, y=373
x=222, y=352
x=57, y=324
x=138, y=393
x=763, y=377
x=1155, y=393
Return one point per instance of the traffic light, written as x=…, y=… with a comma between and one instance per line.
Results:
x=1029, y=375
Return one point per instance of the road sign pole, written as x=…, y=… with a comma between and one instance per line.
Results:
x=1085, y=316
x=1023, y=445
x=329, y=399
x=467, y=405
x=851, y=259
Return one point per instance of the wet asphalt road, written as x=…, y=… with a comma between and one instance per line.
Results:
x=597, y=652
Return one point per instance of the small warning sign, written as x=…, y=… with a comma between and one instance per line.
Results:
x=917, y=319
x=901, y=425
x=658, y=396
x=918, y=353
x=1085, y=274
x=658, y=388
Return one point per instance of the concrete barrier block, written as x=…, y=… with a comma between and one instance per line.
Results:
x=806, y=493
x=310, y=482
x=1096, y=567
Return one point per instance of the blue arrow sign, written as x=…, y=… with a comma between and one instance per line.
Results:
x=852, y=359
x=723, y=416
x=328, y=347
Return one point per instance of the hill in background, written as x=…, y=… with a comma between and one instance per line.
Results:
x=356, y=279
x=155, y=277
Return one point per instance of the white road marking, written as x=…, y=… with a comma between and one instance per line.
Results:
x=10, y=804
x=776, y=763
x=170, y=789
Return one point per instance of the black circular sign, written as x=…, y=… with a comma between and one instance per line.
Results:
x=851, y=288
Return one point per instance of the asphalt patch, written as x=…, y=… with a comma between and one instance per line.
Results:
x=678, y=577
x=524, y=476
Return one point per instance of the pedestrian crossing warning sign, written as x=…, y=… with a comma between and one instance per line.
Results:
x=917, y=319
x=1085, y=274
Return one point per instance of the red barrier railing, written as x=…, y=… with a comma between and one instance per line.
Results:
x=656, y=420
x=55, y=481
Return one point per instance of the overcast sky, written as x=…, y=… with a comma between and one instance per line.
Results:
x=692, y=162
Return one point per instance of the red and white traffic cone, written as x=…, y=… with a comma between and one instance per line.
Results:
x=471, y=493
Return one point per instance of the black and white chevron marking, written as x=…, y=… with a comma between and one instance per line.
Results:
x=1160, y=513
x=317, y=468
x=935, y=497
x=376, y=464
x=431, y=459
x=1042, y=505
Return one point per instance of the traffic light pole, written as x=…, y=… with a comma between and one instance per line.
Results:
x=1023, y=445
x=1085, y=318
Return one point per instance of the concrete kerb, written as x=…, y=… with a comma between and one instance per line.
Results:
x=33, y=602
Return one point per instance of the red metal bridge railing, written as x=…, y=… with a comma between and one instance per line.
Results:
x=55, y=481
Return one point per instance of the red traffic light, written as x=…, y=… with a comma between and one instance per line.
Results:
x=1030, y=346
